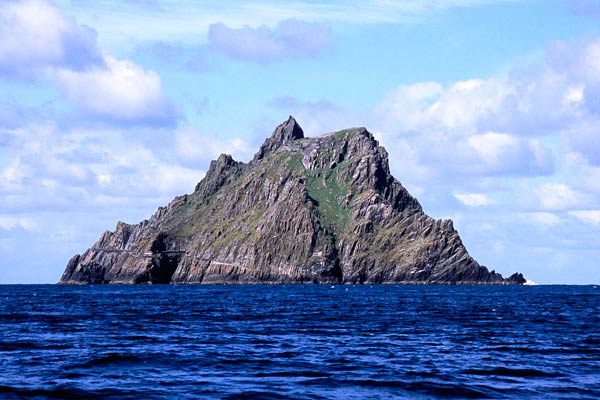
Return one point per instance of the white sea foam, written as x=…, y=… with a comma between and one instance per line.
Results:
x=530, y=283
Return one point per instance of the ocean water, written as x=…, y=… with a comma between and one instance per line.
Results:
x=299, y=342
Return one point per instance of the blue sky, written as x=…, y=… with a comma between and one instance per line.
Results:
x=489, y=109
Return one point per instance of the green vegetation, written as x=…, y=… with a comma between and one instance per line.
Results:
x=330, y=192
x=343, y=134
x=326, y=186
x=294, y=162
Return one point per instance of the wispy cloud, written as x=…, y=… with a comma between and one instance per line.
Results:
x=185, y=20
x=290, y=39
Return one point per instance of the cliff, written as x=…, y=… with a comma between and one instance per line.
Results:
x=324, y=210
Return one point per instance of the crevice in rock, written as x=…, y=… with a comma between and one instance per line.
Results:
x=164, y=261
x=163, y=268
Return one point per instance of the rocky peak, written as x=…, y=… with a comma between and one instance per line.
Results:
x=223, y=162
x=289, y=130
x=221, y=171
x=285, y=133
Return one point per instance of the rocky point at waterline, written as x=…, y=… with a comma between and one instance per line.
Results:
x=323, y=210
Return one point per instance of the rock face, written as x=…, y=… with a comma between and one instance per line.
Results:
x=323, y=210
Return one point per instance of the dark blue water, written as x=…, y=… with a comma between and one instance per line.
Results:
x=299, y=341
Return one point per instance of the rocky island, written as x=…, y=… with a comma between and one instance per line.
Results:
x=321, y=210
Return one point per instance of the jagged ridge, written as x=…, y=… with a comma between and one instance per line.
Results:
x=322, y=209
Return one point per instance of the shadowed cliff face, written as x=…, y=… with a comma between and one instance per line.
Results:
x=323, y=210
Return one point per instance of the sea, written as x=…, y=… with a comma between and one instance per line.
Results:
x=299, y=342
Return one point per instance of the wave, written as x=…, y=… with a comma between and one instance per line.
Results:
x=511, y=372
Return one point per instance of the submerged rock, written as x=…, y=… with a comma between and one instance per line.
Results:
x=322, y=210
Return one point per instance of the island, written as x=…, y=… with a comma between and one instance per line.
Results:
x=304, y=210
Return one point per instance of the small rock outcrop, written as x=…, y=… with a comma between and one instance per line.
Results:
x=322, y=210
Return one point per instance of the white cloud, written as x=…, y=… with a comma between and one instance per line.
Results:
x=410, y=107
x=514, y=125
x=122, y=91
x=473, y=199
x=591, y=217
x=452, y=134
x=465, y=102
x=554, y=196
x=493, y=146
x=31, y=32
x=37, y=40
x=456, y=109
x=50, y=168
x=544, y=100
x=574, y=95
x=35, y=36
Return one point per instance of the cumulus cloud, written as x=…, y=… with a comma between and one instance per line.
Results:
x=122, y=91
x=449, y=137
x=35, y=36
x=290, y=39
x=428, y=105
x=36, y=40
x=527, y=123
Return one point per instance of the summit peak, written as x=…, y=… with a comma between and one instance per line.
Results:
x=285, y=132
x=288, y=130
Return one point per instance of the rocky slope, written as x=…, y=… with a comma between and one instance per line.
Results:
x=322, y=209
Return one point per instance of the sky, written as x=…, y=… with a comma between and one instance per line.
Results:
x=489, y=110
